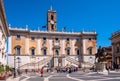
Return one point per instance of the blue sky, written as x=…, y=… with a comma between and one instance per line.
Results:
x=100, y=15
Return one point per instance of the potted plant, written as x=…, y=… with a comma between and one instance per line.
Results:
x=2, y=73
x=8, y=70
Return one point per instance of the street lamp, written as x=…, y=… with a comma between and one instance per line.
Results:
x=33, y=61
x=38, y=64
x=79, y=60
x=18, y=58
x=14, y=65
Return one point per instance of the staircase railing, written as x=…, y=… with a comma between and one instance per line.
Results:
x=72, y=60
x=40, y=63
x=86, y=64
x=44, y=61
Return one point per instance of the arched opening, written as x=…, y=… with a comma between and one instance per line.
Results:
x=56, y=52
x=78, y=52
x=52, y=27
x=90, y=50
x=68, y=51
x=32, y=51
x=52, y=17
x=18, y=50
x=44, y=51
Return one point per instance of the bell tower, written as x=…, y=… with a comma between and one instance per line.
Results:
x=51, y=20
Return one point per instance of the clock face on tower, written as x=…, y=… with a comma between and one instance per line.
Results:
x=51, y=22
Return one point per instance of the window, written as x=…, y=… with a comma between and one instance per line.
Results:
x=32, y=51
x=18, y=50
x=56, y=39
x=44, y=51
x=18, y=36
x=68, y=52
x=78, y=52
x=77, y=39
x=56, y=52
x=32, y=38
x=52, y=17
x=52, y=27
x=118, y=50
x=44, y=38
x=68, y=39
x=89, y=39
x=90, y=50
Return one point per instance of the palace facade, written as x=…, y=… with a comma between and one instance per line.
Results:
x=51, y=48
x=115, y=38
x=4, y=32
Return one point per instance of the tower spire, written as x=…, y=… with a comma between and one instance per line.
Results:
x=51, y=7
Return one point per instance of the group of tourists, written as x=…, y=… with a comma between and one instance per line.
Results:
x=66, y=69
x=42, y=70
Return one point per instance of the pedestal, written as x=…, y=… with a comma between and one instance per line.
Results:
x=104, y=71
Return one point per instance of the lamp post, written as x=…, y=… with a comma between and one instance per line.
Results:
x=38, y=64
x=33, y=61
x=18, y=58
x=79, y=60
x=14, y=65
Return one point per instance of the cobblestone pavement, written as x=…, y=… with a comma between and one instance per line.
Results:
x=76, y=76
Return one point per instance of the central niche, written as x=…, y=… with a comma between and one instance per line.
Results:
x=56, y=52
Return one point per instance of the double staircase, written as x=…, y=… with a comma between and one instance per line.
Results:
x=87, y=64
x=36, y=65
x=76, y=63
x=73, y=61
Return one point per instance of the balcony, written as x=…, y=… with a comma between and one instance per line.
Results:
x=56, y=44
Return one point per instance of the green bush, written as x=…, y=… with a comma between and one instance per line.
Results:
x=2, y=68
x=7, y=68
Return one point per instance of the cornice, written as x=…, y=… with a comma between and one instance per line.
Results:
x=3, y=17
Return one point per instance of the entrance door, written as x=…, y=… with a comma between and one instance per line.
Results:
x=56, y=52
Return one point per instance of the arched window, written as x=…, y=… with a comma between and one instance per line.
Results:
x=56, y=52
x=90, y=50
x=44, y=52
x=32, y=51
x=52, y=17
x=18, y=50
x=118, y=49
x=17, y=36
x=78, y=52
x=68, y=51
x=68, y=39
x=52, y=27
